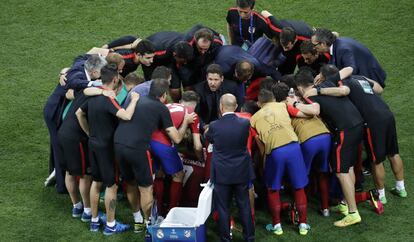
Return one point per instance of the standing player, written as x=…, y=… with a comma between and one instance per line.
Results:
x=73, y=144
x=132, y=140
x=166, y=153
x=98, y=118
x=381, y=134
x=314, y=138
x=345, y=122
x=283, y=154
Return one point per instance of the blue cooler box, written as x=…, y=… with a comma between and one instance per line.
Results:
x=185, y=224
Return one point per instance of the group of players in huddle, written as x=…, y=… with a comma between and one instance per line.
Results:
x=112, y=128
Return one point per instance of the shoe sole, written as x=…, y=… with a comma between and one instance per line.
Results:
x=85, y=220
x=346, y=225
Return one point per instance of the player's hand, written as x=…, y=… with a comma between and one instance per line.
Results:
x=134, y=96
x=291, y=100
x=62, y=79
x=266, y=13
x=190, y=117
x=317, y=80
x=109, y=93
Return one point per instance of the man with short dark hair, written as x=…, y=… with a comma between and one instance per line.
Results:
x=245, y=25
x=205, y=43
x=345, y=123
x=347, y=52
x=134, y=51
x=210, y=92
x=172, y=51
x=98, y=118
x=132, y=140
x=231, y=167
x=289, y=34
x=311, y=58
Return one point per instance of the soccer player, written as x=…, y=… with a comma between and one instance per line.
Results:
x=314, y=138
x=283, y=154
x=309, y=57
x=381, y=134
x=244, y=68
x=289, y=34
x=172, y=51
x=165, y=152
x=137, y=53
x=244, y=25
x=73, y=143
x=345, y=123
x=98, y=118
x=205, y=44
x=132, y=140
x=247, y=110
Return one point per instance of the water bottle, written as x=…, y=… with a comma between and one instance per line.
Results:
x=291, y=93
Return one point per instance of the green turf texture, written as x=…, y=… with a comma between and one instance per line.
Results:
x=41, y=37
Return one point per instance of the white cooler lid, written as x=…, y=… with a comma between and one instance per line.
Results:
x=204, y=204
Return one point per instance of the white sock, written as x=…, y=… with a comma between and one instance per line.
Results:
x=110, y=224
x=95, y=220
x=138, y=217
x=78, y=205
x=399, y=185
x=381, y=193
x=87, y=211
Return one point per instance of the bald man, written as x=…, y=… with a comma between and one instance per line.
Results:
x=231, y=168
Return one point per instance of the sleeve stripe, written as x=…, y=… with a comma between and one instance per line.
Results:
x=114, y=103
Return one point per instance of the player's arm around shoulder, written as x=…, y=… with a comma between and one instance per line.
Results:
x=126, y=114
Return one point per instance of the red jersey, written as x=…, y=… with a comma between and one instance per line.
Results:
x=177, y=112
x=252, y=132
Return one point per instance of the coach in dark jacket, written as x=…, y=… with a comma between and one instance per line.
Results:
x=231, y=169
x=84, y=68
x=210, y=92
x=349, y=52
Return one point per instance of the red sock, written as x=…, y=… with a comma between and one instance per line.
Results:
x=159, y=191
x=215, y=216
x=273, y=199
x=361, y=196
x=285, y=206
x=175, y=193
x=324, y=189
x=301, y=204
x=253, y=218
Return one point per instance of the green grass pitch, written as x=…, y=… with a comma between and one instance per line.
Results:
x=40, y=37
